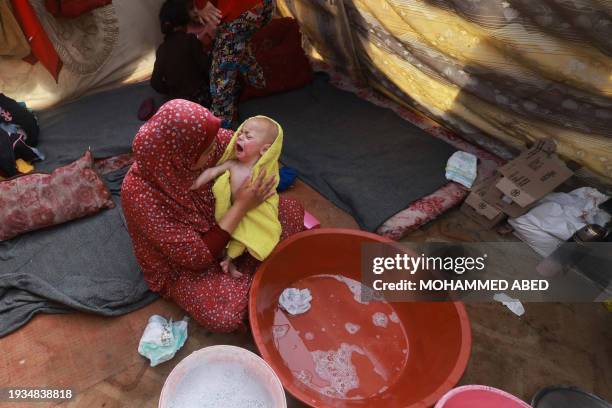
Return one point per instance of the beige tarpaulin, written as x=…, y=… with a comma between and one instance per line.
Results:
x=13, y=43
x=104, y=48
x=516, y=70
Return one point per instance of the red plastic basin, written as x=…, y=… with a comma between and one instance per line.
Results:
x=346, y=353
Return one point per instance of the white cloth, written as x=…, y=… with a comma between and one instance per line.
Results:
x=557, y=217
x=461, y=168
x=295, y=301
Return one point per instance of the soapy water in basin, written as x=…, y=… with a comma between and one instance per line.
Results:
x=217, y=384
x=350, y=358
x=279, y=331
x=352, y=328
x=361, y=293
x=393, y=317
x=335, y=367
x=380, y=319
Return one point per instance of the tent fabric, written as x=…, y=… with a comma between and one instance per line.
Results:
x=42, y=48
x=499, y=73
x=104, y=48
x=73, y=8
x=13, y=43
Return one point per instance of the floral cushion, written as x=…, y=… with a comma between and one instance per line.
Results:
x=39, y=200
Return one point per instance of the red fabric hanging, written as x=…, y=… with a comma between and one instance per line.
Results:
x=42, y=48
x=230, y=9
x=73, y=8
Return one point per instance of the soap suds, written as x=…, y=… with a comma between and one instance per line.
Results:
x=380, y=319
x=280, y=330
x=394, y=318
x=227, y=385
x=335, y=367
x=352, y=328
x=361, y=293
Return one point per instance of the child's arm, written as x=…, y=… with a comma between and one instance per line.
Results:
x=211, y=173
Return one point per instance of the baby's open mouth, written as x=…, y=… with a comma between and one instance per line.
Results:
x=239, y=148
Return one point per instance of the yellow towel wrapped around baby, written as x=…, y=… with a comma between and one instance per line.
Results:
x=260, y=230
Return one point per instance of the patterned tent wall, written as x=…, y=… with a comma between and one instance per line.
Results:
x=500, y=73
x=101, y=49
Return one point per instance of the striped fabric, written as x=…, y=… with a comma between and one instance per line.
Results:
x=501, y=73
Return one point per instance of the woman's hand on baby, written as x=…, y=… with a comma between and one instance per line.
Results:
x=210, y=14
x=203, y=179
x=252, y=193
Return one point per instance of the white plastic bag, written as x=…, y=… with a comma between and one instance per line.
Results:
x=557, y=217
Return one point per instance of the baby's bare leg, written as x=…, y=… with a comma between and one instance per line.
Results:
x=228, y=267
x=225, y=264
x=234, y=272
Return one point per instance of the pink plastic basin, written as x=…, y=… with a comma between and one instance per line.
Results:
x=480, y=396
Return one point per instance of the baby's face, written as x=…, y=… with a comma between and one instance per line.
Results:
x=254, y=138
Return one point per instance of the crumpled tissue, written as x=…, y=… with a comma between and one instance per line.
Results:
x=162, y=339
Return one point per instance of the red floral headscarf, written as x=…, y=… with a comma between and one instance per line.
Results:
x=165, y=149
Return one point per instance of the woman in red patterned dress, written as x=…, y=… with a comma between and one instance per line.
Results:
x=175, y=236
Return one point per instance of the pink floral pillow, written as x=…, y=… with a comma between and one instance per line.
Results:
x=39, y=200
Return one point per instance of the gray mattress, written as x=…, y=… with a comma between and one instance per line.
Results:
x=85, y=264
x=363, y=158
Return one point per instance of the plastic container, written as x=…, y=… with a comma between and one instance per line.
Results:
x=227, y=376
x=480, y=396
x=387, y=355
x=559, y=396
x=310, y=221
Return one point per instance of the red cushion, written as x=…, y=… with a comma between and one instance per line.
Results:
x=39, y=200
x=73, y=8
x=278, y=49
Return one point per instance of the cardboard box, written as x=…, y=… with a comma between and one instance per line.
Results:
x=481, y=219
x=490, y=202
x=509, y=207
x=532, y=175
x=477, y=199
